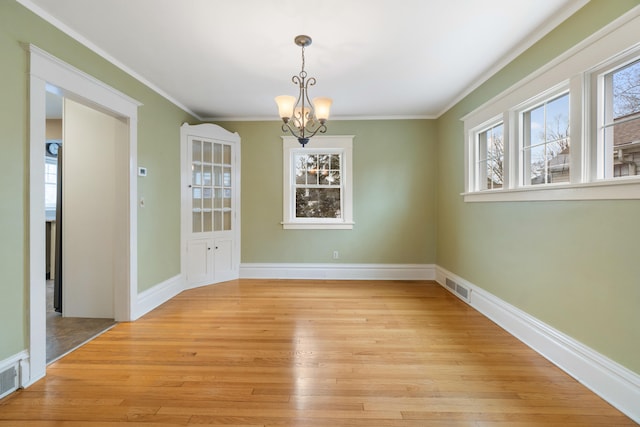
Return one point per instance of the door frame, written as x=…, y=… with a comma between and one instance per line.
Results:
x=217, y=133
x=48, y=73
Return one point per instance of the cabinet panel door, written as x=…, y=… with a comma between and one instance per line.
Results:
x=223, y=260
x=199, y=262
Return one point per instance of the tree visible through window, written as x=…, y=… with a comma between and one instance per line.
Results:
x=491, y=158
x=546, y=142
x=622, y=121
x=318, y=185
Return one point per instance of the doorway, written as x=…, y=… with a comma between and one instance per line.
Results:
x=80, y=285
x=49, y=74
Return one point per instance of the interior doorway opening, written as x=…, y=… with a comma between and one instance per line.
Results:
x=65, y=330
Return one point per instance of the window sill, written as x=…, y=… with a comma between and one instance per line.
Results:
x=620, y=189
x=317, y=226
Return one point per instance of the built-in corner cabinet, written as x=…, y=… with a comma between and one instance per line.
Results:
x=210, y=204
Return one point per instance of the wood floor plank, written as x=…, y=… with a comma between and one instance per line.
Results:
x=273, y=353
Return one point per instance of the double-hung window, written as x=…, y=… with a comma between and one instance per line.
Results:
x=618, y=120
x=545, y=142
x=317, y=183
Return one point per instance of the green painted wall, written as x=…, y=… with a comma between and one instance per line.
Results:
x=158, y=150
x=572, y=265
x=394, y=190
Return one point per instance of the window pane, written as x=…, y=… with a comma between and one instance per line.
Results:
x=227, y=198
x=196, y=150
x=206, y=152
x=546, y=142
x=626, y=90
x=335, y=161
x=206, y=176
x=196, y=174
x=227, y=154
x=217, y=153
x=50, y=184
x=197, y=198
x=207, y=199
x=226, y=221
x=197, y=222
x=318, y=203
x=490, y=158
x=625, y=138
x=226, y=177
x=206, y=216
x=622, y=134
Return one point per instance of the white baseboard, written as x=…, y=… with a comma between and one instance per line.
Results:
x=158, y=295
x=613, y=382
x=338, y=271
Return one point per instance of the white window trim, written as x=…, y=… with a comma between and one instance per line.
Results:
x=290, y=145
x=573, y=69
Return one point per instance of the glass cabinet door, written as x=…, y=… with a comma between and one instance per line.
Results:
x=211, y=186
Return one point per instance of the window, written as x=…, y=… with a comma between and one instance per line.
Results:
x=317, y=183
x=50, y=186
x=545, y=142
x=569, y=131
x=619, y=135
x=490, y=158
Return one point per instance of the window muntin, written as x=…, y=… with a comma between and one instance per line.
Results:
x=490, y=158
x=620, y=131
x=546, y=155
x=317, y=185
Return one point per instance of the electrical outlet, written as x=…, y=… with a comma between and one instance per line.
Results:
x=336, y=255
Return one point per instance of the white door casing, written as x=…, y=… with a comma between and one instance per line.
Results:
x=50, y=73
x=210, y=204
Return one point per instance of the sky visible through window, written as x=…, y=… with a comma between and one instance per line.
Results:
x=626, y=90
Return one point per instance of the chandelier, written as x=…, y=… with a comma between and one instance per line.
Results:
x=301, y=117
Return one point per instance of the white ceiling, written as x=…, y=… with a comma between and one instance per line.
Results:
x=224, y=59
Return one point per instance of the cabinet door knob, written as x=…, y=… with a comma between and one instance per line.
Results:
x=208, y=248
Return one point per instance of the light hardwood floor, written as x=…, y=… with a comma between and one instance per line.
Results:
x=308, y=354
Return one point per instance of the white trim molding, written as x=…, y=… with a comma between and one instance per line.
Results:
x=157, y=295
x=313, y=271
x=613, y=382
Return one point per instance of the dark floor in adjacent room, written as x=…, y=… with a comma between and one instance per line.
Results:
x=65, y=334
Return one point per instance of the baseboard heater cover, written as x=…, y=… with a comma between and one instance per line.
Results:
x=8, y=380
x=459, y=290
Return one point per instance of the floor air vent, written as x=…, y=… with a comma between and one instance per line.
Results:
x=8, y=381
x=462, y=291
x=450, y=284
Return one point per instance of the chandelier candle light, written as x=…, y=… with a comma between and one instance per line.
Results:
x=301, y=117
